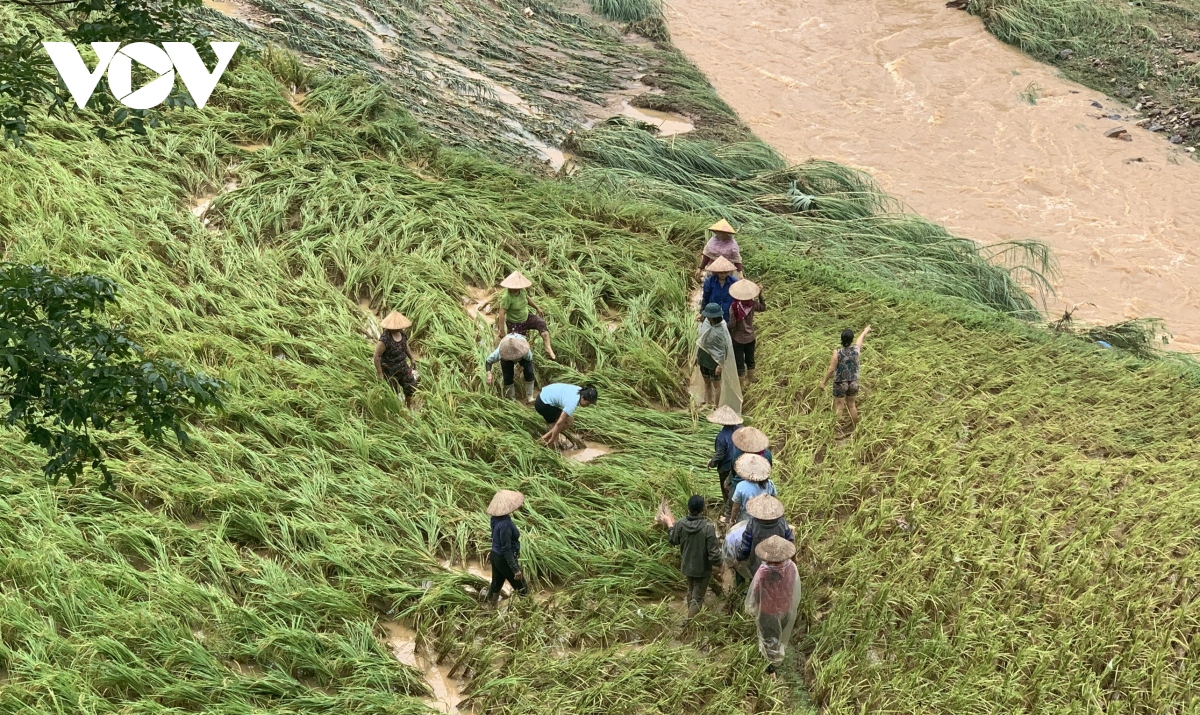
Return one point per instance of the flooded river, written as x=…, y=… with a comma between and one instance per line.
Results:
x=969, y=133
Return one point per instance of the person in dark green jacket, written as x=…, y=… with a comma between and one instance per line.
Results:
x=699, y=551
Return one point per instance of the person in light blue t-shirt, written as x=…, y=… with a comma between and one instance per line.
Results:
x=556, y=404
x=755, y=472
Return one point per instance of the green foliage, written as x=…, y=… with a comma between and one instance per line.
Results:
x=68, y=378
x=627, y=10
x=27, y=78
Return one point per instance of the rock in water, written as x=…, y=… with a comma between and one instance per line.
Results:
x=1117, y=133
x=1177, y=139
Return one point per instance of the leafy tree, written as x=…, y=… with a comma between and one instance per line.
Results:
x=73, y=382
x=28, y=79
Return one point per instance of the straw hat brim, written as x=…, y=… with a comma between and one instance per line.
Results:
x=515, y=281
x=722, y=226
x=775, y=549
x=724, y=415
x=395, y=321
x=749, y=439
x=744, y=290
x=513, y=348
x=721, y=265
x=505, y=502
x=752, y=468
x=765, y=507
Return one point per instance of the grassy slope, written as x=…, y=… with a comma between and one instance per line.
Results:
x=1026, y=468
x=1147, y=53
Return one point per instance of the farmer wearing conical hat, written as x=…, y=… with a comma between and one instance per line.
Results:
x=766, y=520
x=721, y=245
x=755, y=472
x=773, y=598
x=747, y=301
x=843, y=368
x=699, y=549
x=513, y=349
x=715, y=366
x=394, y=359
x=716, y=286
x=506, y=543
x=748, y=440
x=518, y=312
x=724, y=449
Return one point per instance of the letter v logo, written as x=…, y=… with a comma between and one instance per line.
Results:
x=74, y=73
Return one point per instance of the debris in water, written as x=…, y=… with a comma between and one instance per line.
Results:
x=1119, y=133
x=668, y=124
x=958, y=4
x=477, y=302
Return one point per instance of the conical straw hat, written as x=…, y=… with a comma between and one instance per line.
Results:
x=775, y=549
x=724, y=415
x=395, y=321
x=744, y=290
x=749, y=439
x=515, y=280
x=505, y=502
x=721, y=265
x=753, y=468
x=765, y=507
x=722, y=226
x=513, y=347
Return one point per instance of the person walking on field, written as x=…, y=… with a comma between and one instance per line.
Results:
x=748, y=440
x=843, y=368
x=755, y=473
x=394, y=359
x=773, y=599
x=715, y=363
x=724, y=450
x=747, y=301
x=766, y=520
x=716, y=286
x=506, y=544
x=699, y=550
x=556, y=404
x=518, y=312
x=513, y=349
x=721, y=245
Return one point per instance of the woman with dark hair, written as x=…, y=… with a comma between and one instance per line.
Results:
x=843, y=368
x=556, y=404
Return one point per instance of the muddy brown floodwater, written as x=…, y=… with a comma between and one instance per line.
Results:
x=969, y=133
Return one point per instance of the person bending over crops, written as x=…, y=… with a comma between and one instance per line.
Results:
x=513, y=349
x=506, y=544
x=766, y=520
x=747, y=440
x=716, y=286
x=518, y=312
x=394, y=359
x=755, y=473
x=721, y=245
x=699, y=550
x=724, y=449
x=774, y=598
x=747, y=300
x=715, y=362
x=556, y=404
x=843, y=368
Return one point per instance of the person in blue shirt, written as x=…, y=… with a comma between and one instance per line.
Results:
x=556, y=404
x=513, y=348
x=755, y=472
x=716, y=286
x=724, y=450
x=748, y=440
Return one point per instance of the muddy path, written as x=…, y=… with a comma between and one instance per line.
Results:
x=969, y=133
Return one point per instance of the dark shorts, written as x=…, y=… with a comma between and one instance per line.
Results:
x=550, y=413
x=402, y=381
x=533, y=322
x=845, y=389
x=708, y=366
x=743, y=354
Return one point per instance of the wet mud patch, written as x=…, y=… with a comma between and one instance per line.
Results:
x=203, y=202
x=447, y=690
x=590, y=451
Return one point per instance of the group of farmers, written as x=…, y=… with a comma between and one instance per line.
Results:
x=759, y=544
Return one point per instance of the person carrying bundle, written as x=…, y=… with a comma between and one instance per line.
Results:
x=773, y=599
x=715, y=363
x=721, y=245
x=394, y=359
x=506, y=544
x=724, y=450
x=843, y=368
x=699, y=549
x=556, y=404
x=755, y=473
x=766, y=520
x=513, y=349
x=518, y=312
x=747, y=301
x=716, y=287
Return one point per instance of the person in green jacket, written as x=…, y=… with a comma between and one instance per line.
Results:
x=699, y=550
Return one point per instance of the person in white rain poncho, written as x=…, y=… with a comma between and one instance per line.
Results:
x=774, y=598
x=716, y=366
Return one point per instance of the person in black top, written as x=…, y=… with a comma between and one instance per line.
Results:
x=506, y=544
x=394, y=359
